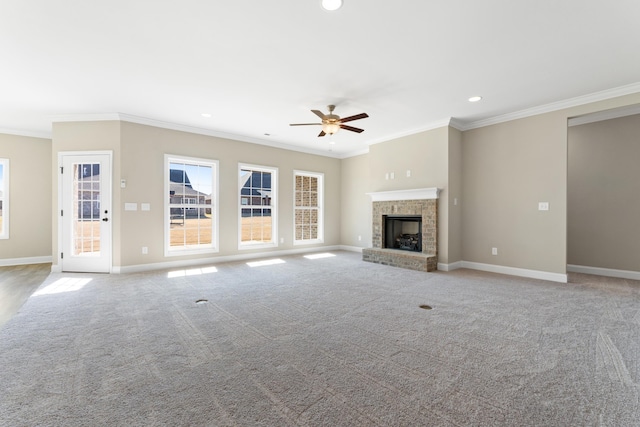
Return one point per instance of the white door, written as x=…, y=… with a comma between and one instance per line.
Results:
x=86, y=213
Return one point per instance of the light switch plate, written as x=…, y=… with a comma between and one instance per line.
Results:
x=543, y=206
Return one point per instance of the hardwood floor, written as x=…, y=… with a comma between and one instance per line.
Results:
x=17, y=283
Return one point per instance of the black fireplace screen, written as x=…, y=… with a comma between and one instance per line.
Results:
x=403, y=232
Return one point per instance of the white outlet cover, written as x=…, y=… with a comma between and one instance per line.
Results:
x=130, y=206
x=145, y=206
x=543, y=206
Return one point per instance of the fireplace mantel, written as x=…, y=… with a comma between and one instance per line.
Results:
x=414, y=194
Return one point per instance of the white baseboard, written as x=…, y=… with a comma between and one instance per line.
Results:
x=218, y=260
x=608, y=272
x=522, y=272
x=450, y=267
x=24, y=261
x=350, y=248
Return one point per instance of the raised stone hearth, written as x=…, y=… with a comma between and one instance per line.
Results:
x=422, y=202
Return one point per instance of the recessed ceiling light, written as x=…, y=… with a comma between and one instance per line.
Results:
x=475, y=98
x=331, y=4
x=207, y=115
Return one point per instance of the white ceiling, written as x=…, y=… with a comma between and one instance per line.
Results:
x=258, y=65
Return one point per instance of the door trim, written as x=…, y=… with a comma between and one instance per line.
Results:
x=60, y=244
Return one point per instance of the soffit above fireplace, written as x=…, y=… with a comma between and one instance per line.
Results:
x=414, y=194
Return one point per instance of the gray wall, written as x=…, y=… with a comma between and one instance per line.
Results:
x=30, y=197
x=146, y=145
x=426, y=156
x=455, y=196
x=509, y=168
x=604, y=194
x=355, y=218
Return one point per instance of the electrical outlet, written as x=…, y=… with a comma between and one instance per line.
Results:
x=408, y=173
x=359, y=238
x=494, y=251
x=543, y=206
x=145, y=250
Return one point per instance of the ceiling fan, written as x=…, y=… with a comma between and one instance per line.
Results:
x=331, y=123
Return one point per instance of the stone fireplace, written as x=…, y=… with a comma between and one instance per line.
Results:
x=404, y=229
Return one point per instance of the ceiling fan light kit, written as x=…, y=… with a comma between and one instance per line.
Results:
x=330, y=128
x=332, y=123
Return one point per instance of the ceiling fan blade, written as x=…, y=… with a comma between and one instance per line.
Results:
x=304, y=124
x=351, y=128
x=318, y=113
x=356, y=117
x=321, y=134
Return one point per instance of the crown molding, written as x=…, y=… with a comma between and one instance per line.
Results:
x=185, y=128
x=605, y=115
x=30, y=134
x=99, y=117
x=555, y=106
x=457, y=124
x=430, y=126
x=354, y=153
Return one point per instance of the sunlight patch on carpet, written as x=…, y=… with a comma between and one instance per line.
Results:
x=319, y=256
x=65, y=284
x=265, y=262
x=191, y=272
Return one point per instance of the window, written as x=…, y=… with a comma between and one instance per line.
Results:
x=257, y=207
x=308, y=211
x=191, y=208
x=4, y=198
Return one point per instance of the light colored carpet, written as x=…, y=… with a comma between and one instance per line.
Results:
x=331, y=341
x=17, y=283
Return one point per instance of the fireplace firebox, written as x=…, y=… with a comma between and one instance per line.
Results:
x=403, y=232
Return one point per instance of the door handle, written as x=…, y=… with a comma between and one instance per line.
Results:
x=105, y=219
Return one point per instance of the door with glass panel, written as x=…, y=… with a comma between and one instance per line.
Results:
x=86, y=213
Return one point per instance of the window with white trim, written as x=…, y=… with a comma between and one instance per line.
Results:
x=191, y=208
x=257, y=210
x=4, y=198
x=308, y=215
